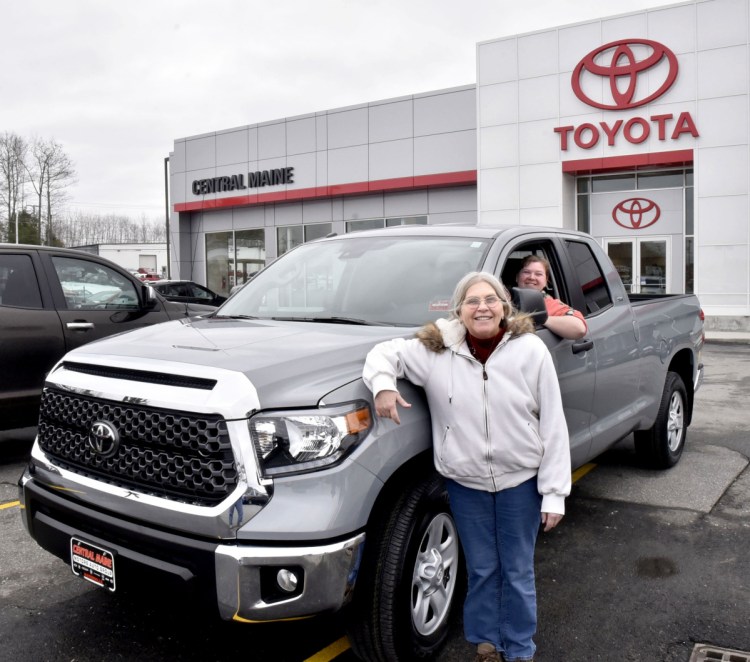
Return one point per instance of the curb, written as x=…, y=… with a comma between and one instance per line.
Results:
x=728, y=337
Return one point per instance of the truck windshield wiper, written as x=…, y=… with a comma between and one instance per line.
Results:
x=236, y=317
x=330, y=320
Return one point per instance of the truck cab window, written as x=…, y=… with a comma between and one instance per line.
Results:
x=595, y=291
x=515, y=261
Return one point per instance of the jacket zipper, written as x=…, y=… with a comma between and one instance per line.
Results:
x=485, y=379
x=487, y=423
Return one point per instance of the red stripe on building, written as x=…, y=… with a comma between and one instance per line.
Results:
x=462, y=178
x=681, y=157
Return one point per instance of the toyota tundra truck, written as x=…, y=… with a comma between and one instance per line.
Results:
x=240, y=452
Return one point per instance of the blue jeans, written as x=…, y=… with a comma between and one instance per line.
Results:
x=498, y=533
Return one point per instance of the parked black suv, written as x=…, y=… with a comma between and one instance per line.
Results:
x=186, y=291
x=55, y=299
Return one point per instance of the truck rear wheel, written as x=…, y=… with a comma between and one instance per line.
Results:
x=407, y=587
x=661, y=447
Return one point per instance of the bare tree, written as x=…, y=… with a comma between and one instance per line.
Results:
x=13, y=151
x=43, y=169
x=83, y=229
x=49, y=172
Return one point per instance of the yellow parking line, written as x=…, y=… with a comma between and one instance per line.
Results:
x=582, y=471
x=331, y=652
x=10, y=504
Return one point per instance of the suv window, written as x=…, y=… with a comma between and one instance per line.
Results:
x=92, y=286
x=18, y=282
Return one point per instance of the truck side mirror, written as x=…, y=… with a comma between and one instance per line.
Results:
x=530, y=301
x=148, y=296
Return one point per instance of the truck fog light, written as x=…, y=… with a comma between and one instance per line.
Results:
x=287, y=580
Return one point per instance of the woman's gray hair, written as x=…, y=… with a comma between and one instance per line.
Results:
x=514, y=321
x=472, y=278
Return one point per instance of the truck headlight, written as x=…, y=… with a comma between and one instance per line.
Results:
x=289, y=442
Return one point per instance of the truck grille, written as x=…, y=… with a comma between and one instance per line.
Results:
x=174, y=455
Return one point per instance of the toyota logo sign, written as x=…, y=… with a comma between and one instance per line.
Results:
x=617, y=63
x=103, y=439
x=636, y=213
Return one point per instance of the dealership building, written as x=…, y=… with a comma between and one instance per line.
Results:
x=633, y=128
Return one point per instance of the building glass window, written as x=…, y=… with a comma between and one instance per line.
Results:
x=368, y=224
x=219, y=248
x=250, y=254
x=377, y=223
x=288, y=237
x=409, y=220
x=689, y=236
x=661, y=180
x=232, y=257
x=584, y=222
x=317, y=230
x=609, y=183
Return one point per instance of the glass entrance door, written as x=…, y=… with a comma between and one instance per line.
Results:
x=643, y=264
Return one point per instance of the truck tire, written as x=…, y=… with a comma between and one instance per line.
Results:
x=661, y=447
x=408, y=584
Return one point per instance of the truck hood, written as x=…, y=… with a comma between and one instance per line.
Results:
x=290, y=363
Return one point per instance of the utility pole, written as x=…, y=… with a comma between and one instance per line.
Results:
x=166, y=212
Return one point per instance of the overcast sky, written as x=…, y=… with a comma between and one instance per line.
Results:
x=117, y=82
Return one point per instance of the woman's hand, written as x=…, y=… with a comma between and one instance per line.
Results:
x=386, y=405
x=550, y=520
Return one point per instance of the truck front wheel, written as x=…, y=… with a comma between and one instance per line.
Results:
x=661, y=447
x=407, y=586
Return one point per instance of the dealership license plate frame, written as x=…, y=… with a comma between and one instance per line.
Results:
x=92, y=565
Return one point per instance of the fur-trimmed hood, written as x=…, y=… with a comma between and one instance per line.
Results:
x=450, y=333
x=442, y=334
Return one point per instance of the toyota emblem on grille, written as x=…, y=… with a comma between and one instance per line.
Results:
x=618, y=64
x=104, y=439
x=636, y=213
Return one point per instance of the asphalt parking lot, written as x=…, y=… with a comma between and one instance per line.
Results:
x=645, y=566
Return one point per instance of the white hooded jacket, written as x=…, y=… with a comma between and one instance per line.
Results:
x=495, y=425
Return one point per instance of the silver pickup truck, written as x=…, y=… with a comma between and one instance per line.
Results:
x=240, y=452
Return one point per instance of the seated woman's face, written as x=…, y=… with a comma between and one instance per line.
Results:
x=532, y=276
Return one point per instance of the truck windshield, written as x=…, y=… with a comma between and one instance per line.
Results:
x=399, y=281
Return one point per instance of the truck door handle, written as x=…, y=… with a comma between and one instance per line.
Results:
x=582, y=346
x=79, y=326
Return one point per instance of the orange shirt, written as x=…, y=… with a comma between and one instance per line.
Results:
x=556, y=308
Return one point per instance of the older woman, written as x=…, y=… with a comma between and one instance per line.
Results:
x=562, y=320
x=500, y=440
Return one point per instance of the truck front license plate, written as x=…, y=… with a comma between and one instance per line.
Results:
x=93, y=563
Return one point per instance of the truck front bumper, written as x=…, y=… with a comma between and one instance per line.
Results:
x=265, y=584
x=250, y=582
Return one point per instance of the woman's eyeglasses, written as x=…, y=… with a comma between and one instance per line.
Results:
x=474, y=302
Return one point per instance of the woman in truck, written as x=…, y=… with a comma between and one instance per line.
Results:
x=500, y=440
x=562, y=320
